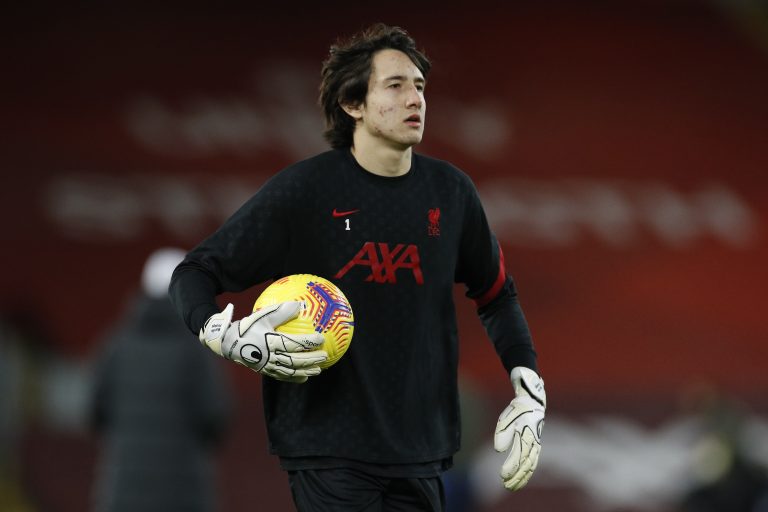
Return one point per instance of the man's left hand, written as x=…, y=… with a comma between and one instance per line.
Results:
x=518, y=430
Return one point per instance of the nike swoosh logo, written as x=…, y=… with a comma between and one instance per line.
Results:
x=343, y=214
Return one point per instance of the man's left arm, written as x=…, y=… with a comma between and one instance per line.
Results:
x=518, y=430
x=481, y=267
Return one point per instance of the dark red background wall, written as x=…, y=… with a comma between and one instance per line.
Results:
x=642, y=101
x=621, y=151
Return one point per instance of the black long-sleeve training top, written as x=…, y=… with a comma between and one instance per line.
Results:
x=395, y=246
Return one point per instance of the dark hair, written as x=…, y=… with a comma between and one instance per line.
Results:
x=346, y=72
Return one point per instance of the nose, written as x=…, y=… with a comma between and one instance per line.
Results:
x=415, y=98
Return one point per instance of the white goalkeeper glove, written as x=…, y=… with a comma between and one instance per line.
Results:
x=519, y=428
x=253, y=342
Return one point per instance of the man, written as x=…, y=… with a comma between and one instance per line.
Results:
x=161, y=405
x=394, y=230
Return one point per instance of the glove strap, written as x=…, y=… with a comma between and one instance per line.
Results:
x=527, y=382
x=214, y=329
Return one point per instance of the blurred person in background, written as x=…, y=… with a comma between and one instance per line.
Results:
x=161, y=405
x=725, y=477
x=395, y=230
x=15, y=341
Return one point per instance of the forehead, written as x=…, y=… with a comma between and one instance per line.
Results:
x=388, y=63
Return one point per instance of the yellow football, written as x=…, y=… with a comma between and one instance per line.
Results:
x=326, y=310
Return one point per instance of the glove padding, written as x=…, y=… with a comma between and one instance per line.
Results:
x=519, y=428
x=253, y=342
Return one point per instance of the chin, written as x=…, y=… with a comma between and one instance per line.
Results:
x=413, y=140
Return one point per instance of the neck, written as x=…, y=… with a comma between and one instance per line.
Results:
x=382, y=160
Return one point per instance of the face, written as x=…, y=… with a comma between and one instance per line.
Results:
x=394, y=110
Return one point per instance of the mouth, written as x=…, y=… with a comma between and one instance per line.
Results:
x=413, y=120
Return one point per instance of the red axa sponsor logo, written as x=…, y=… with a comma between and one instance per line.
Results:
x=384, y=262
x=433, y=215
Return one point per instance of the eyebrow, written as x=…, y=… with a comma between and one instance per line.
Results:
x=403, y=78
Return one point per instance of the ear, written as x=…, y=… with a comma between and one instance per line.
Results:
x=354, y=111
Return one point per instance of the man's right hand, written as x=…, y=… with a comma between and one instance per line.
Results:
x=253, y=342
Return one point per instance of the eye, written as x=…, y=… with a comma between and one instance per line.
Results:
x=394, y=86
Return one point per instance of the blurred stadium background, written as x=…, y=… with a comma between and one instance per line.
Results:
x=621, y=150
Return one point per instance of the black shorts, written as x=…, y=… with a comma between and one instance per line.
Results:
x=351, y=490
